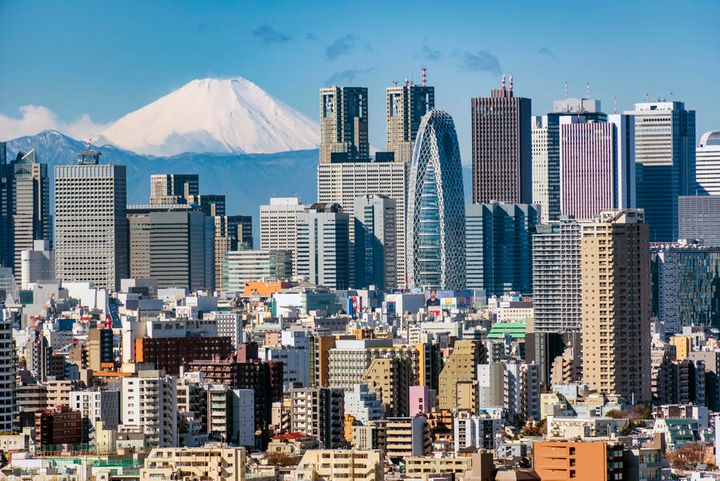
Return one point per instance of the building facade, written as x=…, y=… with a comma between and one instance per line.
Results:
x=375, y=243
x=323, y=246
x=436, y=208
x=405, y=106
x=344, y=124
x=707, y=167
x=699, y=219
x=278, y=225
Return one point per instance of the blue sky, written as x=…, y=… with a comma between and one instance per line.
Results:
x=104, y=59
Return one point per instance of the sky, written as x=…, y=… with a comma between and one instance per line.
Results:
x=76, y=66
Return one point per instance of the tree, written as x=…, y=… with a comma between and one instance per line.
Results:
x=687, y=457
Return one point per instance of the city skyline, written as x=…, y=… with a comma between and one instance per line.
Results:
x=300, y=56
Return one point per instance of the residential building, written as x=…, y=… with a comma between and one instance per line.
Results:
x=323, y=246
x=665, y=156
x=498, y=243
x=476, y=431
x=97, y=405
x=344, y=124
x=501, y=147
x=149, y=407
x=615, y=258
x=566, y=460
x=318, y=412
x=91, y=228
x=390, y=379
x=556, y=268
x=57, y=426
x=363, y=404
x=332, y=464
x=8, y=371
x=436, y=208
x=458, y=369
x=212, y=461
x=402, y=437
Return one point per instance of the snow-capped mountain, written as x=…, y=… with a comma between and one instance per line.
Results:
x=213, y=116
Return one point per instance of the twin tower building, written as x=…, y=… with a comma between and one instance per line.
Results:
x=408, y=202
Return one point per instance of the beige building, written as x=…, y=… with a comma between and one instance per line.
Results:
x=425, y=466
x=344, y=124
x=350, y=465
x=212, y=461
x=615, y=259
x=406, y=104
x=460, y=368
x=390, y=379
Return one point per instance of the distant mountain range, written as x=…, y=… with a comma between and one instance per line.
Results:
x=247, y=180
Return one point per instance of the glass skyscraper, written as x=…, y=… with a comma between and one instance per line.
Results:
x=436, y=210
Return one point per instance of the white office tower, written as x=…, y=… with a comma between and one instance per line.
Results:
x=323, y=246
x=91, y=229
x=343, y=182
x=545, y=167
x=557, y=289
x=375, y=242
x=8, y=370
x=37, y=264
x=149, y=406
x=707, y=164
x=278, y=225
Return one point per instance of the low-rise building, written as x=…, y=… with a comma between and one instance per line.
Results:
x=213, y=461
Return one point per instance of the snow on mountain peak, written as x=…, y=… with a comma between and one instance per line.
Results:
x=214, y=115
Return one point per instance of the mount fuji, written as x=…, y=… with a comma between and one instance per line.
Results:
x=213, y=115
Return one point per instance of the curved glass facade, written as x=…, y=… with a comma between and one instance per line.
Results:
x=436, y=209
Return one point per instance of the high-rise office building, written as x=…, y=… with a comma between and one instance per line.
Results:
x=212, y=205
x=597, y=165
x=615, y=259
x=344, y=182
x=436, y=207
x=557, y=294
x=31, y=216
x=182, y=249
x=323, y=246
x=173, y=188
x=37, y=264
x=665, y=156
x=699, y=218
x=406, y=104
x=375, y=243
x=6, y=209
x=278, y=225
x=546, y=151
x=707, y=168
x=8, y=371
x=501, y=148
x=498, y=247
x=91, y=229
x=344, y=124
x=232, y=233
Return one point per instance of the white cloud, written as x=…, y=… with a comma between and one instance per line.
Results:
x=36, y=118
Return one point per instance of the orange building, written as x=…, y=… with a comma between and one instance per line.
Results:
x=578, y=461
x=265, y=289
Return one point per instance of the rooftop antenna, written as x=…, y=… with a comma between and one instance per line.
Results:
x=587, y=90
x=395, y=83
x=614, y=104
x=502, y=84
x=566, y=89
x=406, y=83
x=424, y=76
x=647, y=97
x=511, y=83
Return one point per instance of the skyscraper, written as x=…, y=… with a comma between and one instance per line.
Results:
x=173, y=188
x=557, y=290
x=7, y=254
x=615, y=257
x=278, y=225
x=8, y=371
x=344, y=182
x=665, y=156
x=707, y=156
x=91, y=229
x=375, y=242
x=406, y=104
x=232, y=233
x=699, y=217
x=344, y=124
x=31, y=217
x=498, y=247
x=436, y=208
x=323, y=246
x=501, y=148
x=597, y=165
x=546, y=151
